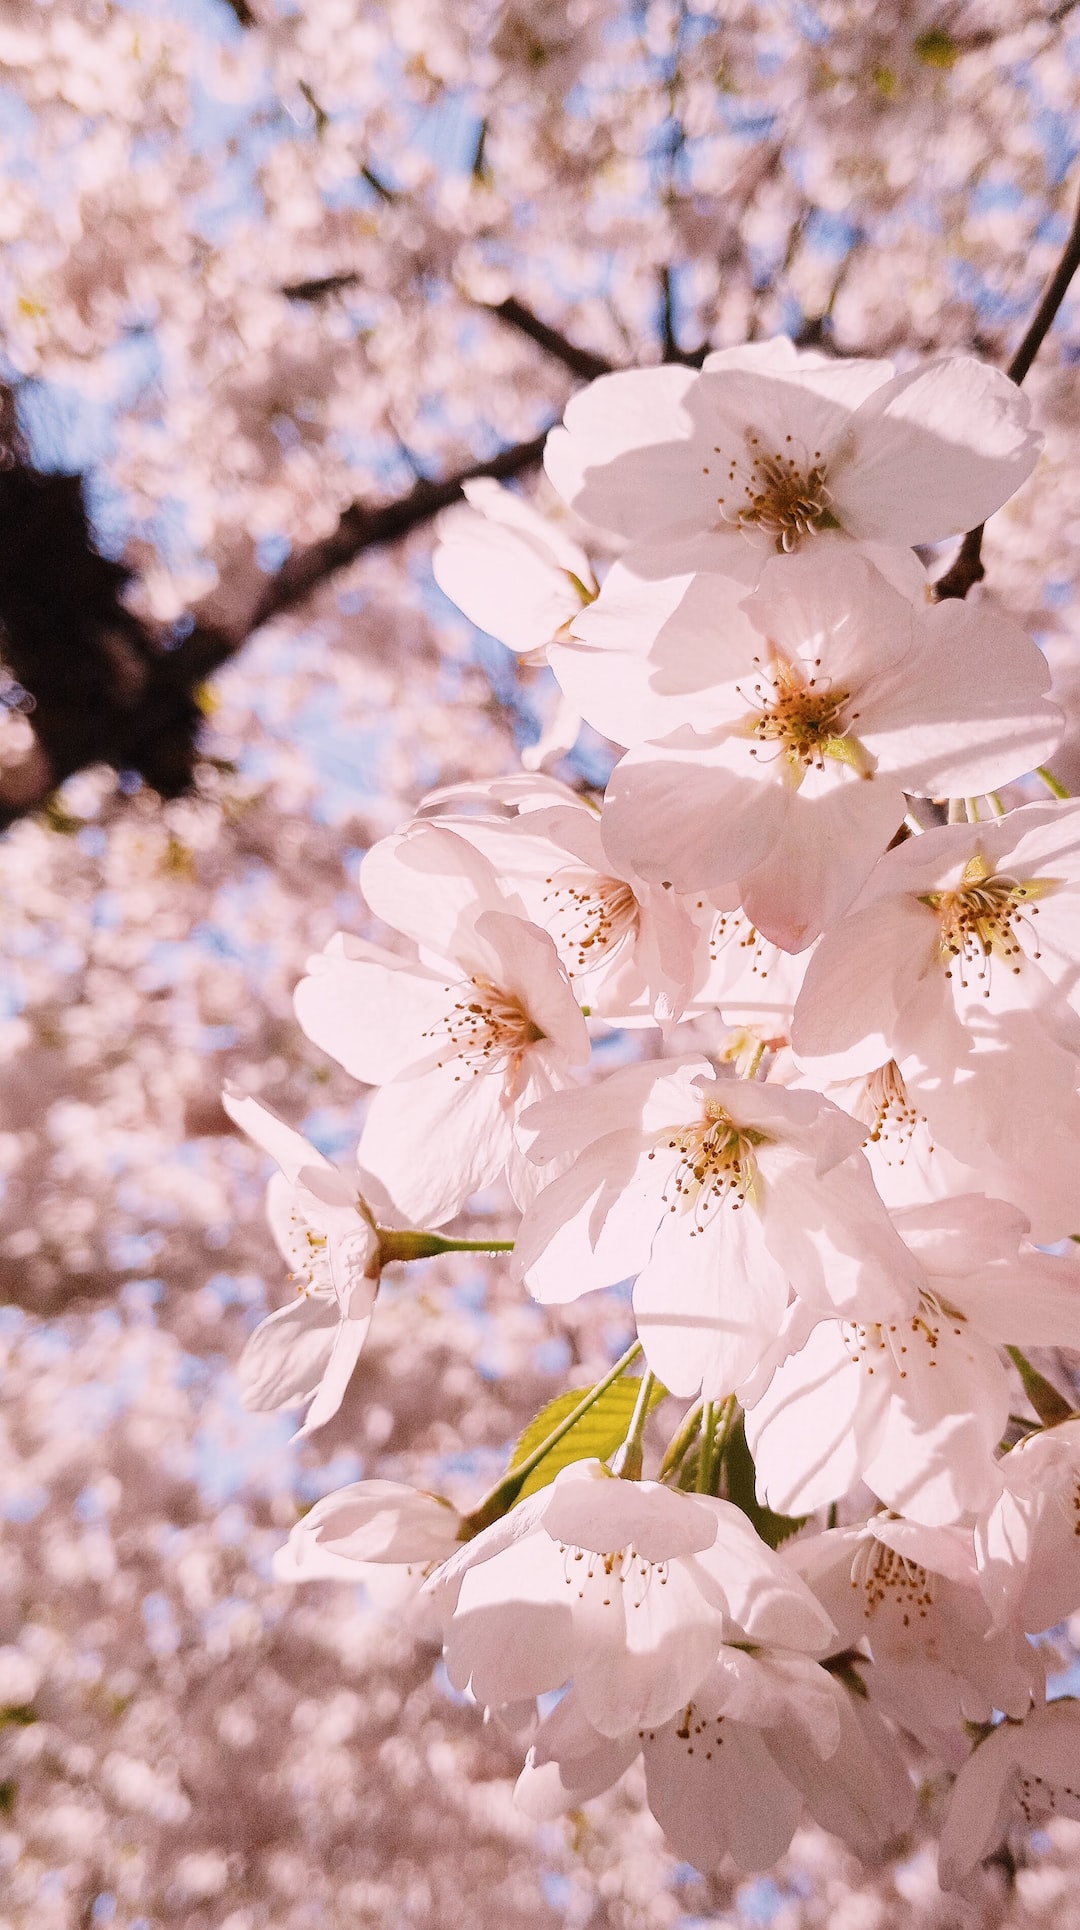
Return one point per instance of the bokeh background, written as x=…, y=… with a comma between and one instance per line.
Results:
x=275, y=274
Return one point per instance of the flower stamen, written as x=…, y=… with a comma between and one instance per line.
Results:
x=717, y=1165
x=985, y=917
x=596, y=919
x=784, y=493
x=487, y=1030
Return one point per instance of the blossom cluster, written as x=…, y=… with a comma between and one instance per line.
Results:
x=836, y=1162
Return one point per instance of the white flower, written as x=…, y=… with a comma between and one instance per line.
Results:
x=627, y=946
x=769, y=444
x=629, y=1587
x=958, y=963
x=916, y=1407
x=722, y=1195
x=513, y=572
x=714, y=1771
x=908, y=1595
x=775, y=743
x=1020, y=1776
x=382, y=1533
x=460, y=1040
x=323, y=1227
x=1029, y=1543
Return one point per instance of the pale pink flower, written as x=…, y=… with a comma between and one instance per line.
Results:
x=714, y=1771
x=792, y=729
x=958, y=964
x=308, y=1349
x=1029, y=1542
x=769, y=444
x=916, y=1407
x=515, y=573
x=742, y=974
x=723, y=1196
x=628, y=946
x=460, y=1040
x=907, y=1595
x=631, y=1588
x=388, y=1536
x=1022, y=1775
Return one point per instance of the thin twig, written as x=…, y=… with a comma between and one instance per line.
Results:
x=968, y=568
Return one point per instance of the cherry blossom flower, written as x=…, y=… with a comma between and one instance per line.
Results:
x=515, y=573
x=740, y=973
x=714, y=1770
x=772, y=444
x=793, y=728
x=907, y=1594
x=388, y=1536
x=957, y=964
x=461, y=1040
x=1029, y=1542
x=916, y=1408
x=629, y=1587
x=628, y=947
x=324, y=1228
x=1021, y=1775
x=722, y=1195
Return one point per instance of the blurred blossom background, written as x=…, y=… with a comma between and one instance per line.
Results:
x=275, y=274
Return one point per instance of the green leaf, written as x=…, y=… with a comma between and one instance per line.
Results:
x=598, y=1433
x=9, y=1789
x=739, y=1481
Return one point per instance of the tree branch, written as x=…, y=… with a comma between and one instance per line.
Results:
x=968, y=568
x=580, y=361
x=362, y=527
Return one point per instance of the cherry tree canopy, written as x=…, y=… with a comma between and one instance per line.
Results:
x=276, y=281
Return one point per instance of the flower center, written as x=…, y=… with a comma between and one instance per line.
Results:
x=734, y=928
x=594, y=920
x=309, y=1255
x=602, y=1574
x=986, y=916
x=803, y=715
x=779, y=491
x=910, y=1342
x=885, y=1106
x=716, y=1165
x=883, y=1576
x=487, y=1029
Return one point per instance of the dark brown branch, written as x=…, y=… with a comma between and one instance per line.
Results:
x=362, y=527
x=582, y=362
x=968, y=569
x=667, y=317
x=104, y=688
x=99, y=685
x=319, y=286
x=579, y=361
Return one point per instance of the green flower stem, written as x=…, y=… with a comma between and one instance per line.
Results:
x=628, y=1459
x=755, y=1063
x=1050, y=1406
x=971, y=806
x=681, y=1441
x=708, y=1444
x=505, y=1492
x=956, y=812
x=1053, y=786
x=994, y=800
x=403, y=1245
